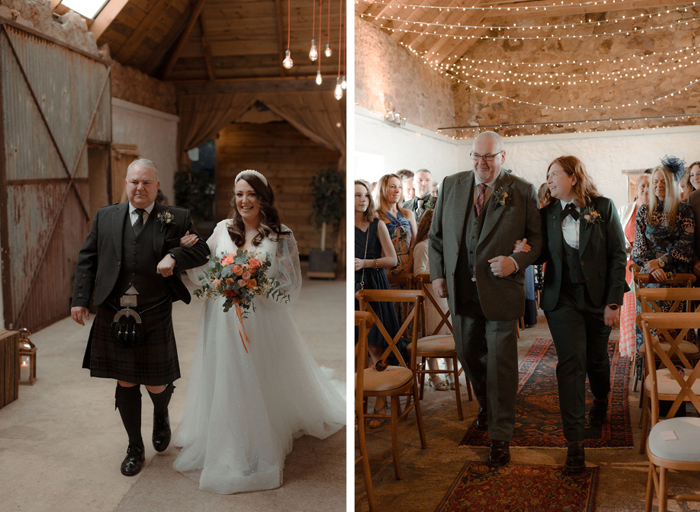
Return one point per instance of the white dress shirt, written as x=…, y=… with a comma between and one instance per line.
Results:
x=133, y=215
x=571, y=227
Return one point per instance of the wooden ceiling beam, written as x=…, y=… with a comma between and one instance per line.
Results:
x=423, y=15
x=499, y=16
x=427, y=43
x=183, y=39
x=381, y=8
x=138, y=35
x=106, y=16
x=280, y=34
x=155, y=60
x=207, y=50
x=450, y=17
x=237, y=85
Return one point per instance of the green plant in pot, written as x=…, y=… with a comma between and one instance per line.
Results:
x=328, y=189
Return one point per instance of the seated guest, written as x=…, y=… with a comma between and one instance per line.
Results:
x=400, y=222
x=374, y=252
x=421, y=265
x=423, y=201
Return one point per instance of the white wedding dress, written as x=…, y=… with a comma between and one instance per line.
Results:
x=243, y=410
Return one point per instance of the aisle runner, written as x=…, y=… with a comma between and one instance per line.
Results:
x=520, y=487
x=538, y=420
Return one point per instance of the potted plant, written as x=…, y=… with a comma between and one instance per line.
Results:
x=328, y=189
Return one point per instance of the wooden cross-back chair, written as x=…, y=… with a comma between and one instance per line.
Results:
x=401, y=282
x=673, y=444
x=395, y=381
x=364, y=322
x=643, y=280
x=433, y=344
x=678, y=349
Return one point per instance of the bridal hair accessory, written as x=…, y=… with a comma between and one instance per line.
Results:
x=248, y=172
x=675, y=165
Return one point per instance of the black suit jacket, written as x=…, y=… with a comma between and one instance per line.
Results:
x=100, y=258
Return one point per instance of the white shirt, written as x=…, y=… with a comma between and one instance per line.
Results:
x=133, y=215
x=570, y=227
x=489, y=187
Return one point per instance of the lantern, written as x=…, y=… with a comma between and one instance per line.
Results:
x=27, y=358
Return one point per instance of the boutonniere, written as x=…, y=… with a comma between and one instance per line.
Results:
x=500, y=197
x=429, y=204
x=165, y=218
x=591, y=215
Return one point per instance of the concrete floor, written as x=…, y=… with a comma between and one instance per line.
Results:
x=61, y=442
x=428, y=474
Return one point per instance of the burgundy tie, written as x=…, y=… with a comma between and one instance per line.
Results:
x=479, y=205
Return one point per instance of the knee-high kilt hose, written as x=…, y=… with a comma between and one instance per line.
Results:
x=153, y=362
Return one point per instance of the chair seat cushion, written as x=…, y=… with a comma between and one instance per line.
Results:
x=685, y=449
x=667, y=384
x=437, y=343
x=685, y=346
x=394, y=377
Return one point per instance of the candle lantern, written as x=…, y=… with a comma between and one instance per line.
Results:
x=27, y=358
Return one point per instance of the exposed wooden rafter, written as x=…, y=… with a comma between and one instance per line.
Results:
x=183, y=39
x=207, y=50
x=106, y=16
x=254, y=85
x=153, y=16
x=155, y=60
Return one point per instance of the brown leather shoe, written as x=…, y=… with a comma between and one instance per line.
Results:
x=132, y=463
x=499, y=454
x=575, y=458
x=482, y=419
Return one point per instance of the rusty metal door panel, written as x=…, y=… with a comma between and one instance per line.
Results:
x=101, y=129
x=67, y=84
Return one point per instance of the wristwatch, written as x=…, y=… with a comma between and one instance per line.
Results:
x=613, y=307
x=662, y=263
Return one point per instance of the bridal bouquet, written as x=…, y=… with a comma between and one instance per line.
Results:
x=239, y=277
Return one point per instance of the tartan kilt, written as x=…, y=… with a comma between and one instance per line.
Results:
x=153, y=362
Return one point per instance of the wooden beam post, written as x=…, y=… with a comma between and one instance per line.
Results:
x=106, y=16
x=129, y=47
x=207, y=50
x=183, y=39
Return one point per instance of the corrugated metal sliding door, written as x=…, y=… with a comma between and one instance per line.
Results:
x=53, y=100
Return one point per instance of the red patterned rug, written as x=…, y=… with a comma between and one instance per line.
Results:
x=520, y=487
x=538, y=420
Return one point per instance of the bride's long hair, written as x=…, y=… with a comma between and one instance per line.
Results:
x=269, y=217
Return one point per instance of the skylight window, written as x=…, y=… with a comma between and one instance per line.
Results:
x=87, y=8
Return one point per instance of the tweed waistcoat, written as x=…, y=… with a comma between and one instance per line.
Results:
x=467, y=253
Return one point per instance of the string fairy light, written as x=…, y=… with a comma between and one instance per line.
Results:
x=561, y=5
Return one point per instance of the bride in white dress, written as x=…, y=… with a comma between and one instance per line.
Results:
x=243, y=410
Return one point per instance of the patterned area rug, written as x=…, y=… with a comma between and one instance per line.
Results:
x=538, y=420
x=520, y=487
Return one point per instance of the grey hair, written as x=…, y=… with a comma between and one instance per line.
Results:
x=145, y=162
x=500, y=146
x=424, y=171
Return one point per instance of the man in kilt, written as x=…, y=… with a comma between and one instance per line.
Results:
x=132, y=261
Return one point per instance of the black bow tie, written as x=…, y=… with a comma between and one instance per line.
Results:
x=570, y=210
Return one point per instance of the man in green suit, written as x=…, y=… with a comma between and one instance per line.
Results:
x=478, y=218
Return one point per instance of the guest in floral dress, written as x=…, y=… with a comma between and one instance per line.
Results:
x=663, y=241
x=400, y=222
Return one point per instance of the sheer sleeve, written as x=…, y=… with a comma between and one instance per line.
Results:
x=288, y=271
x=213, y=241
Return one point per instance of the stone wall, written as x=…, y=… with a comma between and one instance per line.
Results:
x=474, y=107
x=131, y=85
x=389, y=76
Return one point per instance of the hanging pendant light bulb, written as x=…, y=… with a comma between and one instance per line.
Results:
x=344, y=83
x=287, y=62
x=313, y=52
x=328, y=50
x=338, y=93
x=319, y=78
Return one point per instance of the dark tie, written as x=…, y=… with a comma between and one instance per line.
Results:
x=138, y=225
x=570, y=210
x=479, y=205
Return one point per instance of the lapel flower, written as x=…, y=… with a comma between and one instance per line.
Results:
x=591, y=215
x=500, y=197
x=165, y=218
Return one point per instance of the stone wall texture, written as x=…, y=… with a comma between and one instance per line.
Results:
x=389, y=76
x=131, y=85
x=475, y=107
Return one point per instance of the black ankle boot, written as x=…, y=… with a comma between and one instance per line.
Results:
x=128, y=401
x=161, y=419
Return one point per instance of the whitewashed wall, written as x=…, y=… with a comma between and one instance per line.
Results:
x=155, y=134
x=381, y=148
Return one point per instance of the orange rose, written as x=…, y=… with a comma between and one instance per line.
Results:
x=246, y=275
x=252, y=283
x=237, y=269
x=254, y=264
x=216, y=282
x=242, y=283
x=227, y=260
x=229, y=281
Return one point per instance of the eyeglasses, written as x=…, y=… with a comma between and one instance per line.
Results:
x=487, y=158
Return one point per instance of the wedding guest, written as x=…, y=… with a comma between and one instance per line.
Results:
x=409, y=191
x=664, y=238
x=583, y=288
x=374, y=252
x=686, y=187
x=421, y=265
x=400, y=222
x=423, y=199
x=629, y=331
x=694, y=172
x=434, y=189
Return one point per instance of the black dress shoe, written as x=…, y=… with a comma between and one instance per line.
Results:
x=499, y=453
x=599, y=413
x=161, y=431
x=482, y=419
x=132, y=463
x=575, y=459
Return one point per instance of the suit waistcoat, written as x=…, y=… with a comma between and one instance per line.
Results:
x=465, y=286
x=571, y=265
x=139, y=264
